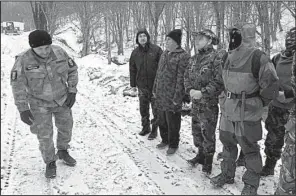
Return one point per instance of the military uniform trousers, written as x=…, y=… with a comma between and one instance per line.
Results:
x=275, y=125
x=204, y=122
x=247, y=135
x=43, y=128
x=145, y=99
x=287, y=180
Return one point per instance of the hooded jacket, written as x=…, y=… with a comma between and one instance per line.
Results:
x=143, y=63
x=242, y=74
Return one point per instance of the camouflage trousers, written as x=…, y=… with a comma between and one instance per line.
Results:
x=43, y=128
x=286, y=185
x=204, y=121
x=247, y=135
x=145, y=99
x=275, y=125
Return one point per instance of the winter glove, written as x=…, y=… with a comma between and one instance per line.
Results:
x=186, y=99
x=195, y=94
x=27, y=117
x=70, y=100
x=134, y=89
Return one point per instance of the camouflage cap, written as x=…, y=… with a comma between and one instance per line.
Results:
x=290, y=41
x=208, y=33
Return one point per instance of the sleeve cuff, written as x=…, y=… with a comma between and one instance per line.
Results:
x=72, y=90
x=23, y=107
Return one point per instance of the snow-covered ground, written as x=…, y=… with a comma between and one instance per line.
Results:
x=112, y=158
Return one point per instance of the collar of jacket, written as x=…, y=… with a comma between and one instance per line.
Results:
x=51, y=56
x=177, y=50
x=206, y=49
x=145, y=48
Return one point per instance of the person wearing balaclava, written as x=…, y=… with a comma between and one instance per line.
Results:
x=44, y=85
x=169, y=90
x=202, y=81
x=143, y=65
x=278, y=110
x=235, y=40
x=286, y=185
x=250, y=82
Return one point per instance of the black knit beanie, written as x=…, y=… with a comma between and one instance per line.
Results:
x=176, y=35
x=39, y=38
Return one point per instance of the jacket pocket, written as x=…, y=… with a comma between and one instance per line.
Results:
x=62, y=72
x=36, y=81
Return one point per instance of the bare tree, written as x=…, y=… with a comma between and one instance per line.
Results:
x=86, y=13
x=39, y=15
x=155, y=10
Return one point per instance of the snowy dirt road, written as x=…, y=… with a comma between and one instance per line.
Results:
x=112, y=158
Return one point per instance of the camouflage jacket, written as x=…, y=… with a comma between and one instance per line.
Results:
x=169, y=87
x=204, y=74
x=43, y=82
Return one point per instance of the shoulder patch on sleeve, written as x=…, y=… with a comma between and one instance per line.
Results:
x=13, y=75
x=71, y=63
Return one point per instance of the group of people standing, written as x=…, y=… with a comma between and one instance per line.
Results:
x=243, y=81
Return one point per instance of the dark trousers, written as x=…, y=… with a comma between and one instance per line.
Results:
x=145, y=99
x=231, y=134
x=169, y=127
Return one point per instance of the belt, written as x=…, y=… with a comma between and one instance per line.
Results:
x=231, y=95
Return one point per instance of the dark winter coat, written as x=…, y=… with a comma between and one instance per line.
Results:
x=143, y=65
x=169, y=82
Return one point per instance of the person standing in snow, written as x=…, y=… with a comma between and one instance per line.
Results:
x=43, y=81
x=143, y=65
x=250, y=82
x=203, y=83
x=169, y=90
x=278, y=111
x=287, y=180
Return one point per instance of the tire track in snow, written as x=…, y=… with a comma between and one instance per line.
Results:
x=11, y=149
x=173, y=175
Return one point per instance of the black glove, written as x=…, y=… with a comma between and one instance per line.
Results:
x=27, y=117
x=70, y=100
x=186, y=99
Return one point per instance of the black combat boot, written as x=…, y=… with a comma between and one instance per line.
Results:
x=171, y=151
x=153, y=133
x=145, y=130
x=51, y=170
x=198, y=159
x=241, y=160
x=221, y=179
x=268, y=168
x=249, y=190
x=68, y=160
x=161, y=145
x=207, y=166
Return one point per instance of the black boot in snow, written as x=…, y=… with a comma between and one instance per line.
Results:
x=145, y=130
x=198, y=159
x=221, y=179
x=207, y=166
x=153, y=133
x=241, y=160
x=51, y=170
x=249, y=190
x=68, y=160
x=268, y=168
